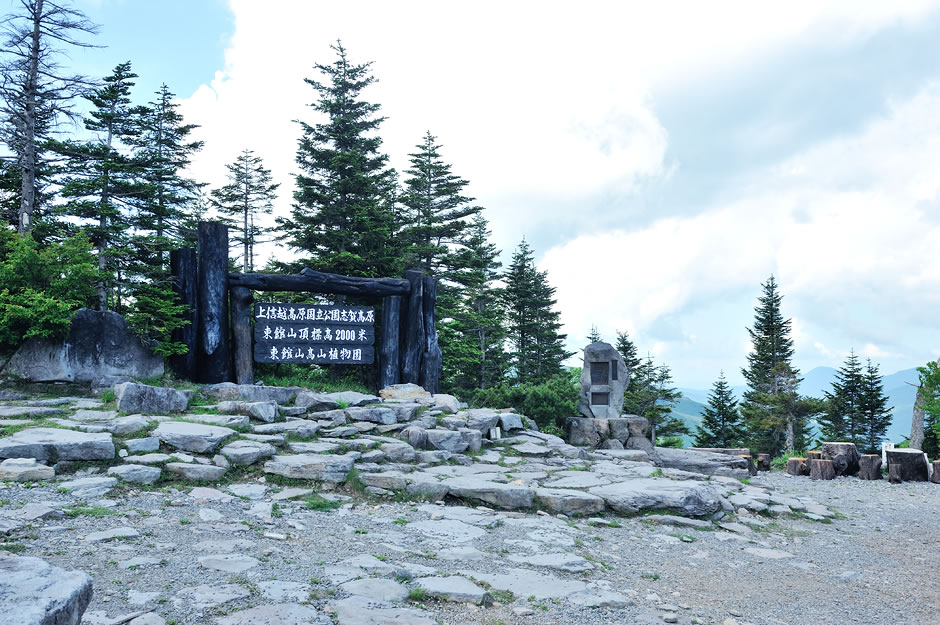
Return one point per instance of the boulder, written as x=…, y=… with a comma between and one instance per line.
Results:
x=265, y=411
x=252, y=392
x=405, y=392
x=481, y=419
x=194, y=437
x=136, y=473
x=136, y=445
x=701, y=461
x=582, y=432
x=447, y=440
x=509, y=421
x=604, y=378
x=473, y=439
x=52, y=445
x=99, y=344
x=353, y=398
x=569, y=501
x=222, y=420
x=447, y=403
x=505, y=496
x=322, y=467
x=398, y=452
x=453, y=588
x=688, y=498
x=133, y=398
x=415, y=436
x=300, y=427
x=315, y=402
x=372, y=414
x=844, y=457
x=88, y=487
x=247, y=452
x=196, y=472
x=25, y=470
x=33, y=592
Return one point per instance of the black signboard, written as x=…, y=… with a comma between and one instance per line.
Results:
x=314, y=334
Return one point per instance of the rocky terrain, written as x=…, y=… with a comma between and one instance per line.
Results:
x=282, y=506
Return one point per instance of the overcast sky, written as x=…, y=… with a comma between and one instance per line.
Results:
x=663, y=159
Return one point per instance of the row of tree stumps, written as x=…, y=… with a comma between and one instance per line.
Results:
x=837, y=459
x=219, y=335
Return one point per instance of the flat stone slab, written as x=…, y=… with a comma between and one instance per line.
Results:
x=252, y=392
x=768, y=554
x=576, y=479
x=112, y=534
x=379, y=589
x=28, y=411
x=33, y=592
x=90, y=486
x=25, y=470
x=685, y=497
x=526, y=583
x=300, y=427
x=246, y=453
x=193, y=437
x=209, y=595
x=229, y=562
x=281, y=592
x=196, y=472
x=322, y=467
x=49, y=445
x=505, y=496
x=352, y=398
x=149, y=458
x=568, y=562
x=453, y=588
x=668, y=519
x=136, y=473
x=277, y=614
x=362, y=611
x=448, y=530
x=569, y=501
x=221, y=420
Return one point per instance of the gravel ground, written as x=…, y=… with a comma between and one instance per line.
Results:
x=874, y=564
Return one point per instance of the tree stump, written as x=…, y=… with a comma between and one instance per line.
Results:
x=796, y=466
x=763, y=462
x=844, y=457
x=935, y=478
x=814, y=455
x=869, y=467
x=751, y=467
x=894, y=473
x=911, y=466
x=821, y=470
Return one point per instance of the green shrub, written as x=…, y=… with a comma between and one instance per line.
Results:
x=42, y=287
x=780, y=462
x=674, y=442
x=548, y=403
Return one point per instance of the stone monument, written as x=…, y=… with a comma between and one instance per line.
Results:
x=604, y=378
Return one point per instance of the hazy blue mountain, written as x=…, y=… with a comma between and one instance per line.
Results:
x=900, y=387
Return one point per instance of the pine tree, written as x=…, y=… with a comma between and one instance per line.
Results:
x=771, y=421
x=532, y=323
x=472, y=338
x=844, y=417
x=652, y=396
x=343, y=215
x=99, y=176
x=721, y=423
x=627, y=350
x=876, y=415
x=928, y=395
x=35, y=93
x=249, y=193
x=593, y=336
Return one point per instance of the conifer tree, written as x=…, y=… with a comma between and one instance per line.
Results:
x=627, y=350
x=99, y=177
x=928, y=396
x=250, y=192
x=532, y=323
x=773, y=416
x=844, y=419
x=343, y=215
x=652, y=396
x=876, y=415
x=721, y=423
x=472, y=337
x=593, y=336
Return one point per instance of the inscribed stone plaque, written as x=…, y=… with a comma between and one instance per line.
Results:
x=600, y=399
x=600, y=372
x=314, y=334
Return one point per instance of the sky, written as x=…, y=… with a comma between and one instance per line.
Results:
x=662, y=159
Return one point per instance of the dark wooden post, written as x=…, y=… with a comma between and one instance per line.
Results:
x=412, y=329
x=389, y=355
x=869, y=467
x=183, y=271
x=821, y=470
x=241, y=301
x=214, y=359
x=797, y=466
x=432, y=362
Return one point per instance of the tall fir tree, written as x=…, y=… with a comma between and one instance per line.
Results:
x=249, y=194
x=627, y=350
x=537, y=346
x=652, y=396
x=721, y=422
x=876, y=414
x=472, y=337
x=343, y=216
x=844, y=418
x=594, y=336
x=769, y=406
x=99, y=178
x=928, y=396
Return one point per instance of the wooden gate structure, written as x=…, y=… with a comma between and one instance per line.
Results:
x=219, y=335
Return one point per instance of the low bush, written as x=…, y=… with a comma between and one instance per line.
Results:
x=548, y=403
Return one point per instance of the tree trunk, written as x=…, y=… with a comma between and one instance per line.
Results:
x=869, y=467
x=814, y=455
x=844, y=457
x=241, y=300
x=821, y=470
x=789, y=434
x=390, y=357
x=909, y=464
x=214, y=359
x=29, y=165
x=797, y=466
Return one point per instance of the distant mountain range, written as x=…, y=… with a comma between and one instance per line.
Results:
x=900, y=387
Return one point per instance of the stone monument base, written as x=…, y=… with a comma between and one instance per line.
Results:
x=628, y=431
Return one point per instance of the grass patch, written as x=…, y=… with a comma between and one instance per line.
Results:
x=502, y=596
x=418, y=594
x=650, y=576
x=107, y=396
x=93, y=511
x=657, y=473
x=316, y=502
x=13, y=547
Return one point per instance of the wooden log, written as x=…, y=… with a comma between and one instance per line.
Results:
x=184, y=278
x=319, y=282
x=894, y=474
x=763, y=462
x=814, y=455
x=214, y=359
x=869, y=467
x=935, y=476
x=389, y=354
x=751, y=467
x=796, y=466
x=241, y=300
x=412, y=329
x=844, y=457
x=821, y=470
x=432, y=359
x=911, y=464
